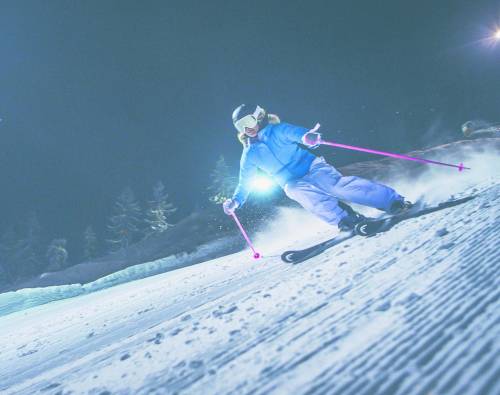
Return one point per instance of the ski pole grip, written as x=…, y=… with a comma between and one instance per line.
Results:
x=313, y=141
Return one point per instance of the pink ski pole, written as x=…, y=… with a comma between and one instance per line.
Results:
x=256, y=254
x=460, y=166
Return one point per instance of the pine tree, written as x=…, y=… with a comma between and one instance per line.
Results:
x=89, y=243
x=158, y=211
x=8, y=245
x=28, y=248
x=222, y=182
x=124, y=223
x=4, y=275
x=57, y=255
x=20, y=248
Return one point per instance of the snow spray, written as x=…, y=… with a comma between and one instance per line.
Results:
x=460, y=166
x=256, y=254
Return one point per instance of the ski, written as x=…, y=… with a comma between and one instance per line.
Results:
x=380, y=225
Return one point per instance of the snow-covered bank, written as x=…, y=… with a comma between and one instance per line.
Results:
x=25, y=298
x=412, y=311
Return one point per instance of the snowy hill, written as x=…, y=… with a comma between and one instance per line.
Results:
x=209, y=234
x=411, y=311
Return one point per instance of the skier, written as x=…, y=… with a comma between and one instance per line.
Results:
x=278, y=149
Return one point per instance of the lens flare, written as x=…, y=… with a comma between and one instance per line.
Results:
x=262, y=184
x=491, y=38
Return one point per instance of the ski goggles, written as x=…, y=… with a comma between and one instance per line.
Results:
x=250, y=121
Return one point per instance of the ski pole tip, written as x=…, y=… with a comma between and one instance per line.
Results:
x=256, y=255
x=461, y=167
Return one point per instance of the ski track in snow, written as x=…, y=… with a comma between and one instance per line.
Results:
x=411, y=311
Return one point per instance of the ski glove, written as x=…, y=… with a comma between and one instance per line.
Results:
x=229, y=206
x=312, y=139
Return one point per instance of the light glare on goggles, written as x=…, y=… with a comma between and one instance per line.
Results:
x=250, y=121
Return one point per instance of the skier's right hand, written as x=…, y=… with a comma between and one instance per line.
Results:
x=229, y=206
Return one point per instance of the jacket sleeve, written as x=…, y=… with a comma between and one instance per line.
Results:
x=247, y=171
x=291, y=133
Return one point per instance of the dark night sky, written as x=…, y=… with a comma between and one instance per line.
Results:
x=98, y=95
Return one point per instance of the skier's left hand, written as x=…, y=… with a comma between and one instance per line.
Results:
x=312, y=138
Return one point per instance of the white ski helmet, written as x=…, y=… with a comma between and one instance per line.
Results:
x=248, y=116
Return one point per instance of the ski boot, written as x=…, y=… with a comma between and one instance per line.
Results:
x=349, y=222
x=359, y=225
x=399, y=207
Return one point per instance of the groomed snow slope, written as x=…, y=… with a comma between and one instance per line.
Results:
x=412, y=311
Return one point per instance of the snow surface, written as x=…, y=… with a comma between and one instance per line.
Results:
x=29, y=297
x=412, y=311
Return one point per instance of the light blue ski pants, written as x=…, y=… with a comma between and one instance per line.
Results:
x=320, y=190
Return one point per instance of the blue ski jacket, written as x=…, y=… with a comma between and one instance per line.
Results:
x=275, y=151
